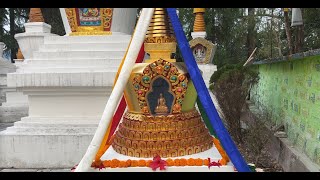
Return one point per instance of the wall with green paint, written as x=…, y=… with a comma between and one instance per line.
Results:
x=290, y=90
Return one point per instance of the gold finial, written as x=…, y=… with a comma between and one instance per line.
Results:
x=160, y=29
x=199, y=24
x=35, y=15
x=19, y=54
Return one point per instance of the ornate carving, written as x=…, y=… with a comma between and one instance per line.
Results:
x=207, y=54
x=182, y=133
x=103, y=28
x=165, y=69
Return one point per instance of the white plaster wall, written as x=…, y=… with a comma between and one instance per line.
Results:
x=38, y=151
x=68, y=105
x=123, y=20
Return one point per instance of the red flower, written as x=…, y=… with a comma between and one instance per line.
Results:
x=158, y=162
x=213, y=163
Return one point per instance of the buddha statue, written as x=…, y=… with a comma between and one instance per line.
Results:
x=162, y=107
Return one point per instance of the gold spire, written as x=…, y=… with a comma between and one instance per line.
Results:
x=160, y=40
x=35, y=15
x=160, y=29
x=199, y=24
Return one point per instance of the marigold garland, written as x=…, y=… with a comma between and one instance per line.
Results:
x=115, y=163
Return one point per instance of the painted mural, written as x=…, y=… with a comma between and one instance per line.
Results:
x=89, y=17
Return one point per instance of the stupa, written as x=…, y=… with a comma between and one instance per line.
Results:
x=68, y=80
x=162, y=130
x=203, y=50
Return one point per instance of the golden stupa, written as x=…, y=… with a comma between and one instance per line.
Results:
x=161, y=117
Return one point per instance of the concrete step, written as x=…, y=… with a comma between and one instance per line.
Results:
x=70, y=65
x=86, y=39
x=78, y=54
x=67, y=78
x=109, y=46
x=74, y=62
x=69, y=69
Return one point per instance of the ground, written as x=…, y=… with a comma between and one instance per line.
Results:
x=266, y=162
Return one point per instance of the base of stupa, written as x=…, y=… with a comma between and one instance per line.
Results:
x=226, y=168
x=212, y=153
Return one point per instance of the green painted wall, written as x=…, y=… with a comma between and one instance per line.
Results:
x=291, y=92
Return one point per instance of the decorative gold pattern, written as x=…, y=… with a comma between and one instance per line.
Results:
x=104, y=29
x=168, y=136
x=160, y=68
x=199, y=24
x=210, y=48
x=71, y=15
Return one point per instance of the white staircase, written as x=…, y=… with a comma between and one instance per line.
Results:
x=68, y=82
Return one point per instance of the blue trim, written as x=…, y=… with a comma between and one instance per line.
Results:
x=204, y=95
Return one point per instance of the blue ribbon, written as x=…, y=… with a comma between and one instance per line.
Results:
x=204, y=96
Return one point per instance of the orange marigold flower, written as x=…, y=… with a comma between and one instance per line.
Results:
x=170, y=162
x=183, y=162
x=122, y=164
x=199, y=162
x=106, y=163
x=176, y=162
x=141, y=163
x=128, y=163
x=206, y=162
x=134, y=163
x=114, y=163
x=191, y=162
x=148, y=162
